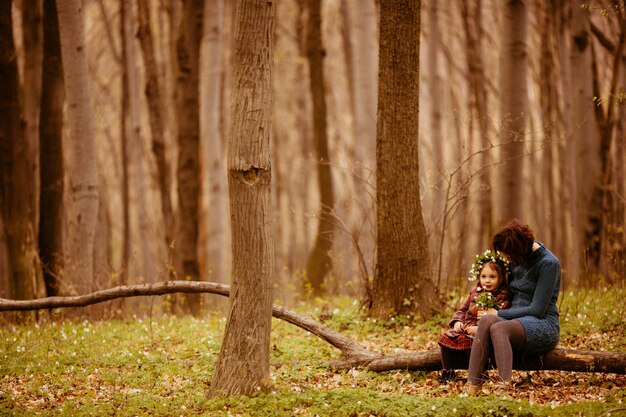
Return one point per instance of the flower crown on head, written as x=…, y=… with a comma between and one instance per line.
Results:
x=485, y=257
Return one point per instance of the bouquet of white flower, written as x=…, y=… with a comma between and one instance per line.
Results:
x=485, y=300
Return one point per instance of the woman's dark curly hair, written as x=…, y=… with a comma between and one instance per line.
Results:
x=515, y=240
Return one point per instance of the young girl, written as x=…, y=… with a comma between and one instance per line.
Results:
x=491, y=291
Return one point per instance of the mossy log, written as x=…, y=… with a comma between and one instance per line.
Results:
x=353, y=354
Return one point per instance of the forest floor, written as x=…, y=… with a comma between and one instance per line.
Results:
x=162, y=366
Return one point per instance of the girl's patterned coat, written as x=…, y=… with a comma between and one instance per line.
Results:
x=468, y=315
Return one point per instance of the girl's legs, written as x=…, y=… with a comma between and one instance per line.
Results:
x=454, y=359
x=506, y=335
x=481, y=349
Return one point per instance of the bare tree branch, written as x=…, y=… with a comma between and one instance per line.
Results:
x=346, y=346
x=353, y=354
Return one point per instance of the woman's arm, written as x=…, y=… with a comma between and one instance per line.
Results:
x=548, y=275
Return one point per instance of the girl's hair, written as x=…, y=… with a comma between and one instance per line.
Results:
x=502, y=275
x=515, y=240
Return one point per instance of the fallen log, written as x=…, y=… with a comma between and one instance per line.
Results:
x=353, y=354
x=554, y=360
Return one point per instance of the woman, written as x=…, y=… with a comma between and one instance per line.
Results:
x=531, y=324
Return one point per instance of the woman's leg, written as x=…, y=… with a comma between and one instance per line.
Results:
x=506, y=336
x=481, y=349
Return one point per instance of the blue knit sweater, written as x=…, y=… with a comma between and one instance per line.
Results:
x=535, y=286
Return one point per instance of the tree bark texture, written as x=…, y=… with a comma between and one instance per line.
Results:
x=353, y=354
x=81, y=150
x=188, y=173
x=402, y=281
x=319, y=263
x=17, y=174
x=243, y=363
x=51, y=155
x=513, y=109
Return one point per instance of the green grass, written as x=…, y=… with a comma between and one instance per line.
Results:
x=162, y=366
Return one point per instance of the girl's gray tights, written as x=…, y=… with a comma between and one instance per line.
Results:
x=500, y=337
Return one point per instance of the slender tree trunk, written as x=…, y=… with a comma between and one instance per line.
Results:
x=215, y=180
x=319, y=264
x=436, y=134
x=361, y=18
x=513, y=109
x=583, y=149
x=188, y=173
x=17, y=174
x=619, y=256
x=155, y=113
x=126, y=138
x=567, y=156
x=473, y=25
x=82, y=164
x=51, y=155
x=146, y=270
x=402, y=281
x=605, y=222
x=32, y=23
x=243, y=363
x=551, y=122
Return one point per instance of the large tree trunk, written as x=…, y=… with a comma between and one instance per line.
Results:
x=513, y=109
x=51, y=155
x=353, y=354
x=320, y=262
x=188, y=173
x=243, y=363
x=402, y=281
x=81, y=150
x=17, y=174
